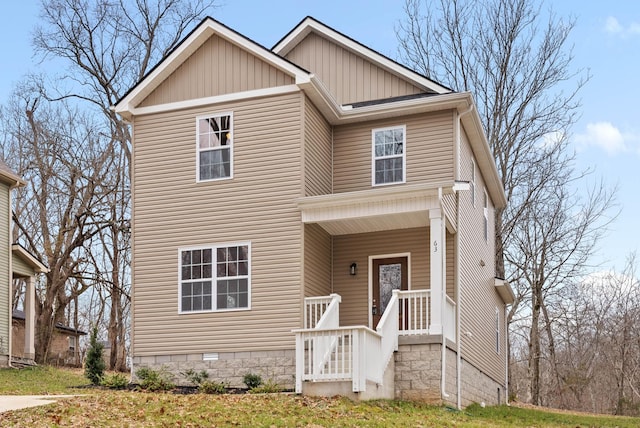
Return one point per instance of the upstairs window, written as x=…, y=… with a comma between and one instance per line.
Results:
x=389, y=160
x=497, y=331
x=473, y=183
x=214, y=147
x=214, y=278
x=485, y=212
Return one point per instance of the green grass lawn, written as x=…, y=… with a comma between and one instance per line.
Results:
x=136, y=409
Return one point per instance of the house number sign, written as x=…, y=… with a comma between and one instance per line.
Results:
x=435, y=246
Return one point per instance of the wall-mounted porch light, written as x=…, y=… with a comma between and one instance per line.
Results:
x=353, y=268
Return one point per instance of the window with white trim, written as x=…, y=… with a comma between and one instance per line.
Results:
x=485, y=213
x=473, y=183
x=72, y=343
x=214, y=147
x=215, y=278
x=389, y=155
x=497, y=331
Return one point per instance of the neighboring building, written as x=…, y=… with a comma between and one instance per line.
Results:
x=281, y=196
x=64, y=349
x=15, y=262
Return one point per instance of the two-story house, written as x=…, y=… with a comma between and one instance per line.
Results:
x=315, y=213
x=15, y=262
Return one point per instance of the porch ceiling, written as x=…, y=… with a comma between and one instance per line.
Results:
x=386, y=208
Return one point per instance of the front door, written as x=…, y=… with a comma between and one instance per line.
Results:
x=388, y=275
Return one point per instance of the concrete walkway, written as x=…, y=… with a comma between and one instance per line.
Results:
x=15, y=402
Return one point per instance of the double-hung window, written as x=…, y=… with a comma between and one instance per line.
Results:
x=485, y=213
x=389, y=155
x=473, y=183
x=215, y=278
x=215, y=147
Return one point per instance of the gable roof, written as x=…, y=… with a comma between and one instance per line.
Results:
x=310, y=24
x=7, y=175
x=20, y=315
x=207, y=27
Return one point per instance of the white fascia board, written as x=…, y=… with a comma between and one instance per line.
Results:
x=199, y=36
x=217, y=99
x=29, y=258
x=309, y=24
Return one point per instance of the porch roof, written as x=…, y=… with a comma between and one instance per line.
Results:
x=384, y=208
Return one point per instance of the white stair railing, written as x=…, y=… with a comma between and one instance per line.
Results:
x=316, y=307
x=413, y=306
x=388, y=329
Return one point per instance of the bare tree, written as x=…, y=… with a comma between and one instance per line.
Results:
x=516, y=62
x=64, y=162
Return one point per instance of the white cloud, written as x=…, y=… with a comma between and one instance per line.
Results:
x=613, y=26
x=605, y=136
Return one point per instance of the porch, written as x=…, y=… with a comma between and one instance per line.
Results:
x=329, y=353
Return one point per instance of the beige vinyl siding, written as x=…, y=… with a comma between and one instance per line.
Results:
x=429, y=150
x=317, y=261
x=317, y=152
x=5, y=275
x=217, y=67
x=449, y=206
x=477, y=290
x=19, y=267
x=450, y=265
x=354, y=309
x=256, y=206
x=348, y=76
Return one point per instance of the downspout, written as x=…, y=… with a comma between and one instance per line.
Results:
x=506, y=357
x=443, y=305
x=457, y=277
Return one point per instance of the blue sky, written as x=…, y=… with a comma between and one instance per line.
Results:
x=606, y=41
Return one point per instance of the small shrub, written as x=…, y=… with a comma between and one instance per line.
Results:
x=266, y=387
x=252, y=380
x=94, y=365
x=154, y=380
x=195, y=377
x=212, y=387
x=115, y=381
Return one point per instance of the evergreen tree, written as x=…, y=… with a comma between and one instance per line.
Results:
x=94, y=365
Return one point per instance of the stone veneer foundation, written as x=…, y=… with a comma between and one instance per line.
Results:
x=228, y=367
x=418, y=374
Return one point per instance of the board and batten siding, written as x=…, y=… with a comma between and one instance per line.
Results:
x=354, y=289
x=479, y=298
x=258, y=206
x=217, y=67
x=5, y=275
x=317, y=152
x=348, y=76
x=429, y=150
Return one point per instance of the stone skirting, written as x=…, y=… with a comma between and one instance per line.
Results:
x=228, y=367
x=418, y=376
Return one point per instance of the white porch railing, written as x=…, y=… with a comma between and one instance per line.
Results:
x=414, y=311
x=351, y=358
x=327, y=352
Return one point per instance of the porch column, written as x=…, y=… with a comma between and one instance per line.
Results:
x=437, y=264
x=29, y=319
